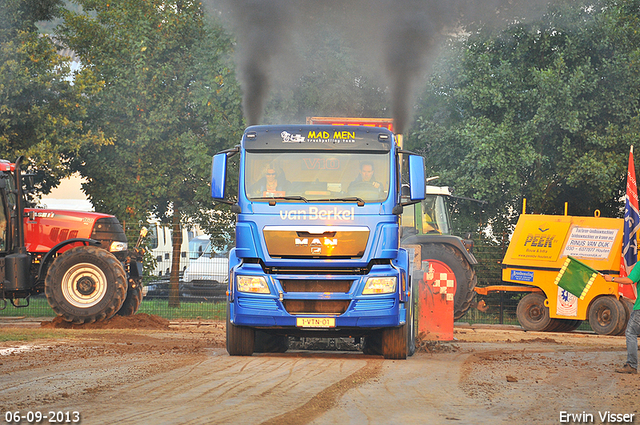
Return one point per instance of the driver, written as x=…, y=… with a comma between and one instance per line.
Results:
x=271, y=184
x=366, y=177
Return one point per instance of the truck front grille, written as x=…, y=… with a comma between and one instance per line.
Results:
x=295, y=285
x=316, y=306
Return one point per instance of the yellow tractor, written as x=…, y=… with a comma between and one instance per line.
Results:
x=538, y=249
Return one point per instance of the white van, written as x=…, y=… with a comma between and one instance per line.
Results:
x=206, y=277
x=161, y=245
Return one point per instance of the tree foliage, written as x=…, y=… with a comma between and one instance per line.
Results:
x=544, y=110
x=42, y=113
x=169, y=101
x=22, y=15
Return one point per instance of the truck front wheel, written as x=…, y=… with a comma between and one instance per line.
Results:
x=86, y=284
x=240, y=339
x=395, y=342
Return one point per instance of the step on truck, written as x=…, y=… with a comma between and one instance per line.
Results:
x=317, y=238
x=79, y=260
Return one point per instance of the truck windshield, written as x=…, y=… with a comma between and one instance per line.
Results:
x=314, y=176
x=435, y=215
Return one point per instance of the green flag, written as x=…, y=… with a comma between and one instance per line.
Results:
x=576, y=277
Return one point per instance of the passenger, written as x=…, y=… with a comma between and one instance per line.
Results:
x=366, y=178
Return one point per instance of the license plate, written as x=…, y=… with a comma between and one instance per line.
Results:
x=316, y=322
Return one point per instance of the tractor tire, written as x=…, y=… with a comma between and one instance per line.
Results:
x=466, y=278
x=86, y=284
x=132, y=301
x=573, y=325
x=607, y=315
x=395, y=342
x=240, y=339
x=267, y=343
x=533, y=315
x=564, y=325
x=628, y=308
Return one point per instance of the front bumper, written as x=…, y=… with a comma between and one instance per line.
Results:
x=281, y=308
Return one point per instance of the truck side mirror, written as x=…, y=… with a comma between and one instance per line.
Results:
x=417, y=185
x=218, y=175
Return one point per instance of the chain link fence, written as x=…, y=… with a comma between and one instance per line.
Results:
x=494, y=308
x=202, y=285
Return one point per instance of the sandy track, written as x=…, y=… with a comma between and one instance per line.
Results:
x=184, y=375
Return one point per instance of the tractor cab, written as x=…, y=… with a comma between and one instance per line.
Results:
x=431, y=216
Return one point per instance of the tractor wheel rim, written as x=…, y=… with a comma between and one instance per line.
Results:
x=535, y=313
x=604, y=317
x=84, y=285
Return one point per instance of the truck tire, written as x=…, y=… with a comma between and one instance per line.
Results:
x=268, y=343
x=372, y=344
x=607, y=315
x=86, y=284
x=240, y=339
x=131, y=302
x=395, y=342
x=533, y=315
x=466, y=278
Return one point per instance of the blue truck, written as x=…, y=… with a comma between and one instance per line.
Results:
x=317, y=249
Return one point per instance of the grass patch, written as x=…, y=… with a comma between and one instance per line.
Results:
x=12, y=334
x=38, y=307
x=187, y=310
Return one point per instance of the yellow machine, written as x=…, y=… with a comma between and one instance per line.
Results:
x=538, y=249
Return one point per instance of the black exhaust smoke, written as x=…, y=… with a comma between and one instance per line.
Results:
x=263, y=35
x=396, y=38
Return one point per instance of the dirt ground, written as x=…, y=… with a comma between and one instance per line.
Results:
x=145, y=369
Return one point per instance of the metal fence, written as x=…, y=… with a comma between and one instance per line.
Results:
x=498, y=308
x=202, y=288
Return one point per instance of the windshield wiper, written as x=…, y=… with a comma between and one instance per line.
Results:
x=284, y=198
x=346, y=199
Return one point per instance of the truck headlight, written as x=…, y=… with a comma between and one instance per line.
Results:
x=254, y=284
x=118, y=246
x=380, y=285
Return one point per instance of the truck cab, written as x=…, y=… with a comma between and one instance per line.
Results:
x=317, y=237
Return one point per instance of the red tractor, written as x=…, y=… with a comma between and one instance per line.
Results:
x=80, y=260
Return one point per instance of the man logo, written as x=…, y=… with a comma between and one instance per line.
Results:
x=316, y=244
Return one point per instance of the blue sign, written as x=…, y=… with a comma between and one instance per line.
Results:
x=521, y=276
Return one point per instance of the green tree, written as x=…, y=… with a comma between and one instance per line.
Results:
x=42, y=111
x=544, y=110
x=169, y=101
